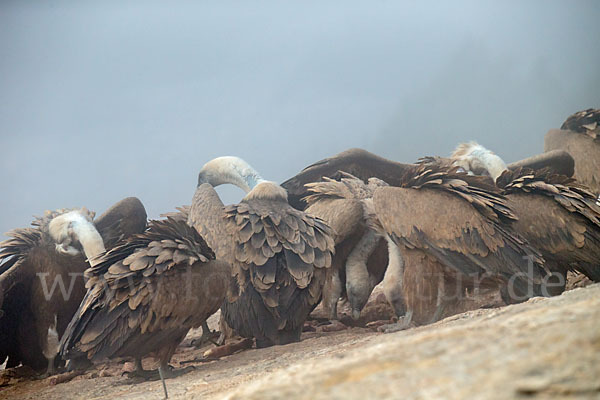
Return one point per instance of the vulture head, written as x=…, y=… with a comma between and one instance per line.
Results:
x=235, y=171
x=476, y=159
x=229, y=169
x=74, y=231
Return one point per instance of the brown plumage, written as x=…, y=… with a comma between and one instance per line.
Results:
x=586, y=121
x=358, y=162
x=145, y=294
x=41, y=277
x=121, y=220
x=41, y=288
x=279, y=255
x=559, y=217
x=556, y=214
x=364, y=165
x=580, y=137
x=557, y=161
x=361, y=255
x=18, y=342
x=451, y=227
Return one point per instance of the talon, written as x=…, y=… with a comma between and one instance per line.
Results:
x=401, y=325
x=208, y=336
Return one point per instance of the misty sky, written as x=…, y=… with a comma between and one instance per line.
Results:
x=107, y=99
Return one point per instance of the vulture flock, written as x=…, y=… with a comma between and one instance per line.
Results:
x=76, y=290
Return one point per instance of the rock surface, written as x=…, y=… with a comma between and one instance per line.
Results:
x=544, y=348
x=548, y=347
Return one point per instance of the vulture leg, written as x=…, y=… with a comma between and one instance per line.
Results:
x=226, y=332
x=393, y=278
x=358, y=281
x=208, y=336
x=220, y=340
x=51, y=347
x=332, y=291
x=439, y=304
x=424, y=290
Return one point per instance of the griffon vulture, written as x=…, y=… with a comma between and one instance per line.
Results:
x=580, y=136
x=279, y=255
x=450, y=232
x=361, y=254
x=41, y=277
x=364, y=165
x=144, y=295
x=339, y=207
x=556, y=214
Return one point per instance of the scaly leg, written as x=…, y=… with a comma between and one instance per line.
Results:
x=208, y=336
x=393, y=279
x=358, y=283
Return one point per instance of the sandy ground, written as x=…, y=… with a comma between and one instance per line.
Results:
x=544, y=348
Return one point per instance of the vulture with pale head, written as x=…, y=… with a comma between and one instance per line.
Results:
x=557, y=215
x=279, y=255
x=144, y=295
x=364, y=165
x=358, y=248
x=42, y=277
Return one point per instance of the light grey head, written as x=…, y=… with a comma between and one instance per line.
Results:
x=229, y=169
x=476, y=159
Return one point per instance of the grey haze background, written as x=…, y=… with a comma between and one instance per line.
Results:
x=107, y=99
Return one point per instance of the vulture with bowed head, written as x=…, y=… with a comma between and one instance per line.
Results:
x=144, y=295
x=279, y=255
x=41, y=277
x=361, y=254
x=357, y=246
x=556, y=214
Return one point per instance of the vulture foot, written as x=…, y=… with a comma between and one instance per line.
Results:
x=166, y=371
x=221, y=340
x=51, y=370
x=401, y=325
x=207, y=337
x=170, y=372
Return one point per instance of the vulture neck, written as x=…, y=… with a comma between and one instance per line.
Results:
x=232, y=170
x=73, y=226
x=267, y=190
x=493, y=164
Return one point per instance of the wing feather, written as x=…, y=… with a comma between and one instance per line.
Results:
x=133, y=291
